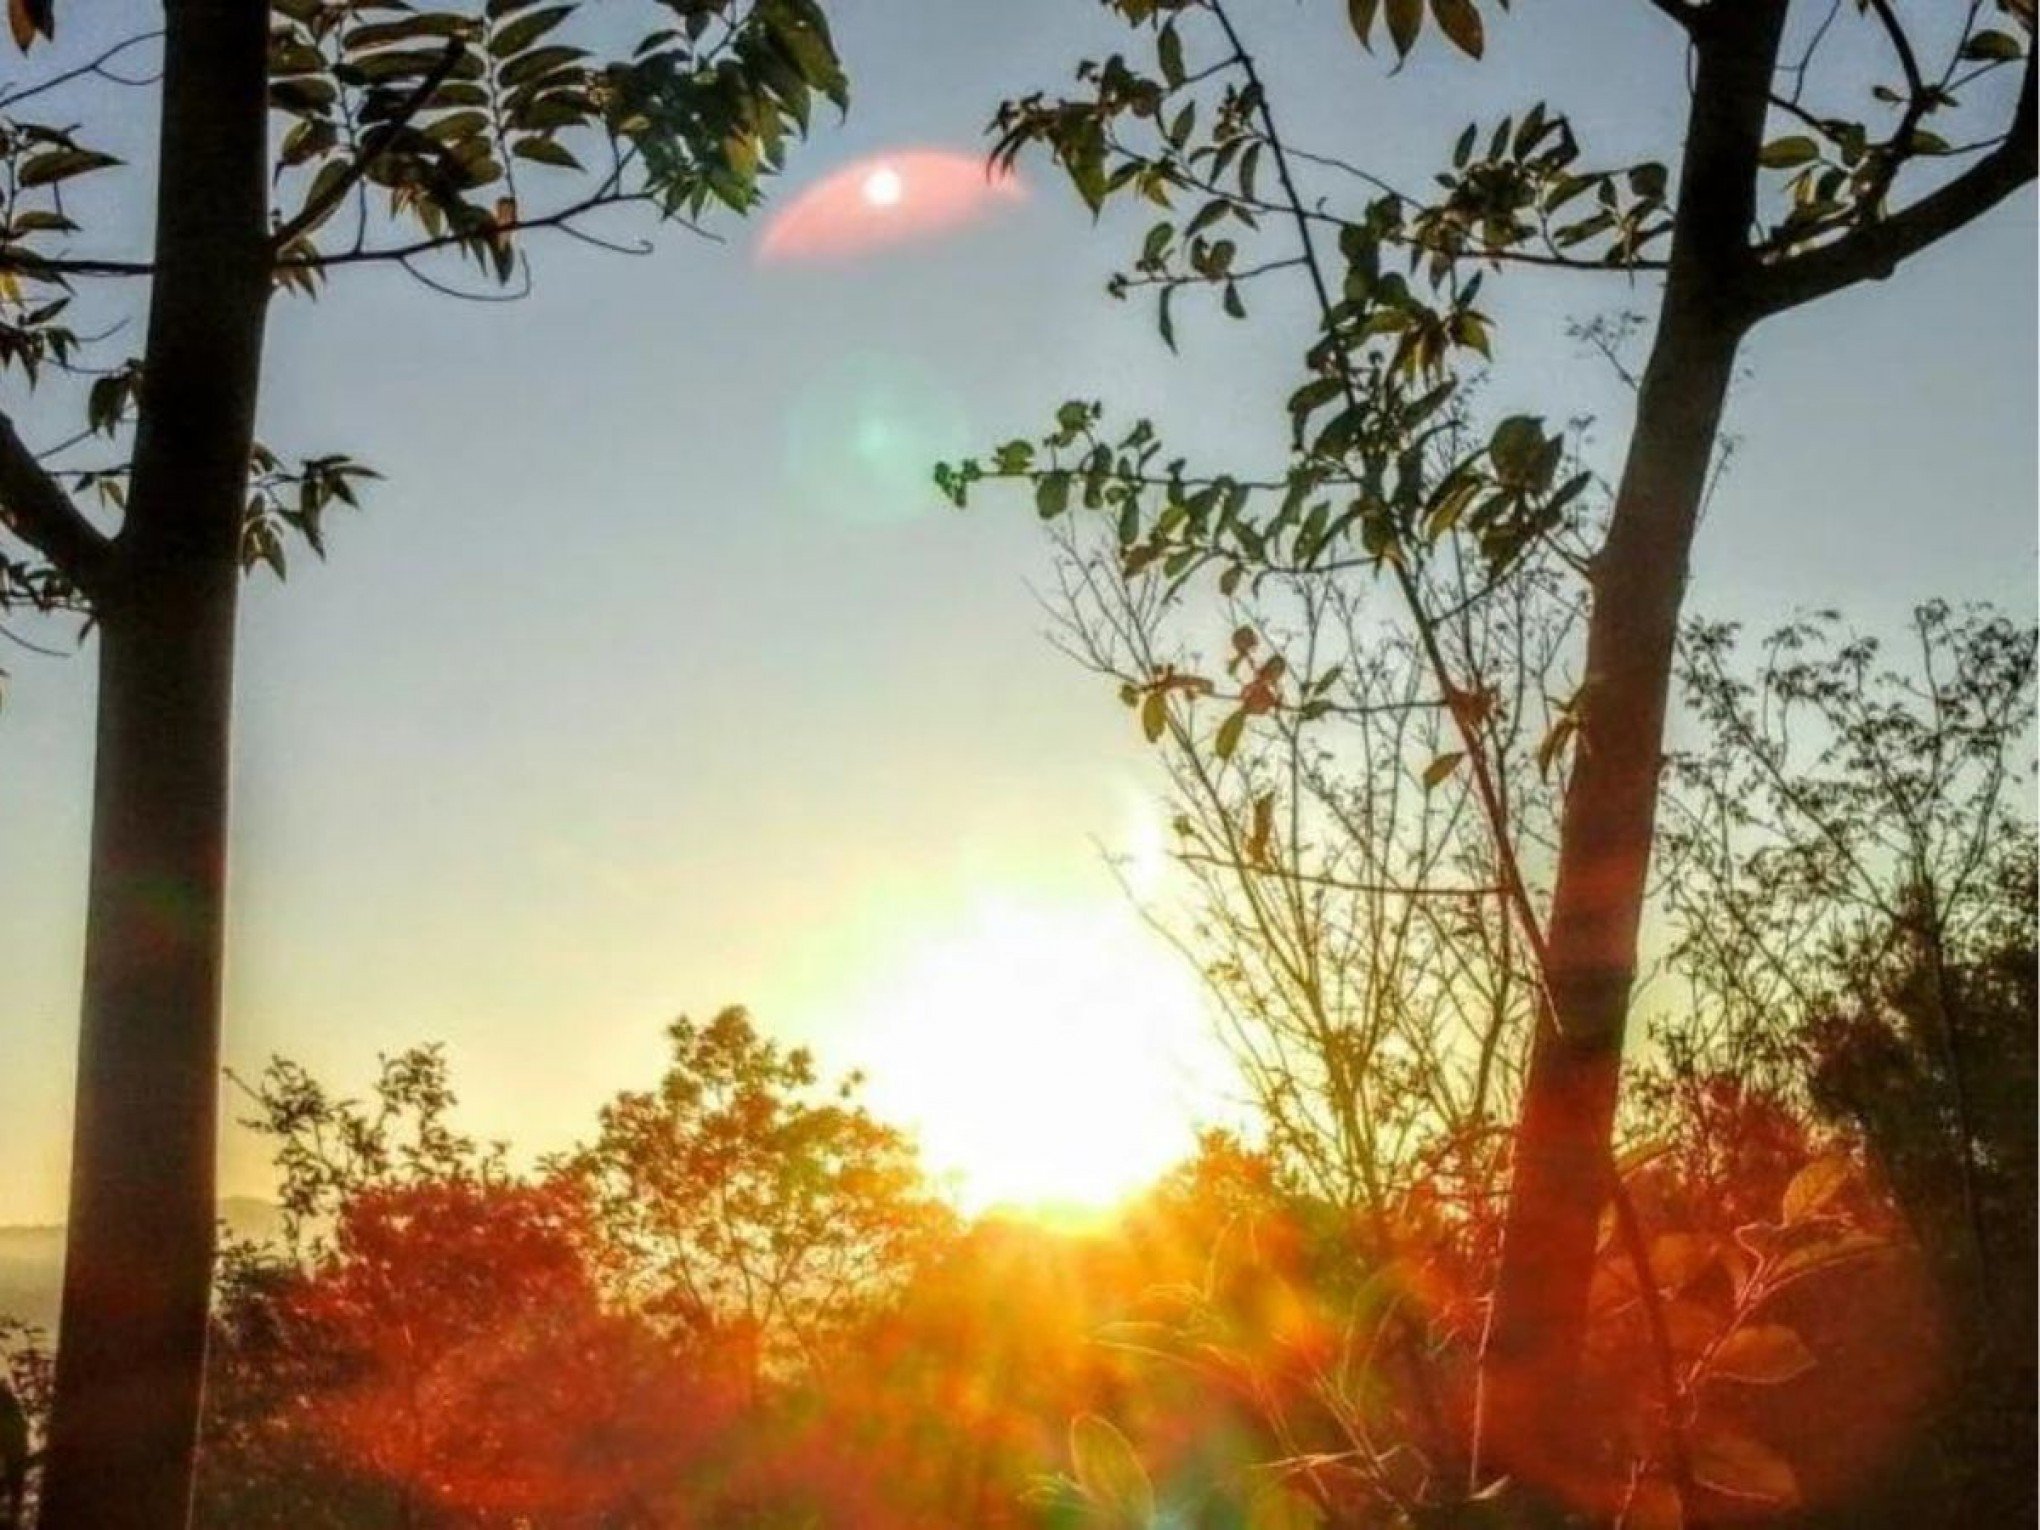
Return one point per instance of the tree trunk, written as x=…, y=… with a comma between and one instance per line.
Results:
x=138, y=1259
x=1531, y=1421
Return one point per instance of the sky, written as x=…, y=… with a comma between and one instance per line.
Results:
x=656, y=678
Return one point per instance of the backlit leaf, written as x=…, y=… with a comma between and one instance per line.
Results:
x=1443, y=766
x=1109, y=1471
x=1816, y=1185
x=1783, y=153
x=1762, y=1354
x=1735, y=1464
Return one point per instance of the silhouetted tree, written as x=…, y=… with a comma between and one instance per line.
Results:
x=747, y=1206
x=403, y=136
x=1780, y=199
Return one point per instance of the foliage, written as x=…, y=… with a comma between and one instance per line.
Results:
x=1851, y=868
x=1836, y=809
x=25, y=1379
x=451, y=1356
x=1387, y=477
x=1714, y=1330
x=431, y=1338
x=329, y=1151
x=423, y=139
x=744, y=1204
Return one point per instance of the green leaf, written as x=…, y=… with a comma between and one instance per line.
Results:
x=1816, y=1185
x=1228, y=736
x=1762, y=1354
x=1990, y=44
x=539, y=61
x=1154, y=714
x=1516, y=445
x=1783, y=153
x=1052, y=494
x=53, y=165
x=1443, y=766
x=1169, y=52
x=1108, y=1470
x=545, y=151
x=1460, y=23
x=1361, y=14
x=515, y=36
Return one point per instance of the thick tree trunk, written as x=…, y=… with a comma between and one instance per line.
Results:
x=1531, y=1422
x=138, y=1260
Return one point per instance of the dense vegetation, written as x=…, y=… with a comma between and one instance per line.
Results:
x=740, y=1304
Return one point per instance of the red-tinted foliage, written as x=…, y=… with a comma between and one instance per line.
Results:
x=452, y=1349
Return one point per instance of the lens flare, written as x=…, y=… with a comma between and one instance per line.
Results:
x=883, y=201
x=860, y=434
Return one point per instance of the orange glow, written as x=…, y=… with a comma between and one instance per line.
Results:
x=1049, y=1057
x=885, y=200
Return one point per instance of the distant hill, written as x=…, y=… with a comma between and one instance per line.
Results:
x=32, y=1258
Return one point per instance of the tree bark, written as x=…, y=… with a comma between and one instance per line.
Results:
x=138, y=1258
x=1531, y=1423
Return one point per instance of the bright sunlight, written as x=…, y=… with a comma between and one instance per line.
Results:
x=1052, y=1058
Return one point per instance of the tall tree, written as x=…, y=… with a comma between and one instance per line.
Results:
x=1783, y=195
x=404, y=136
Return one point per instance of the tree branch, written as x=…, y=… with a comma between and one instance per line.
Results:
x=1874, y=250
x=27, y=263
x=404, y=252
x=35, y=507
x=97, y=66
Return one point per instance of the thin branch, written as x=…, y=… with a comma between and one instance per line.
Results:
x=26, y=263
x=1339, y=884
x=558, y=220
x=1476, y=753
x=447, y=289
x=96, y=67
x=36, y=508
x=1631, y=1231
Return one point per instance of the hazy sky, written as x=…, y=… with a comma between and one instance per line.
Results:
x=655, y=679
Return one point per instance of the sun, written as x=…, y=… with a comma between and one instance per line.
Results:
x=883, y=187
x=1050, y=1059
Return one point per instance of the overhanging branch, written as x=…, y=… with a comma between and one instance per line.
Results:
x=1874, y=250
x=36, y=508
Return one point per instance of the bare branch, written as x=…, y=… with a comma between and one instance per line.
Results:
x=26, y=263
x=96, y=67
